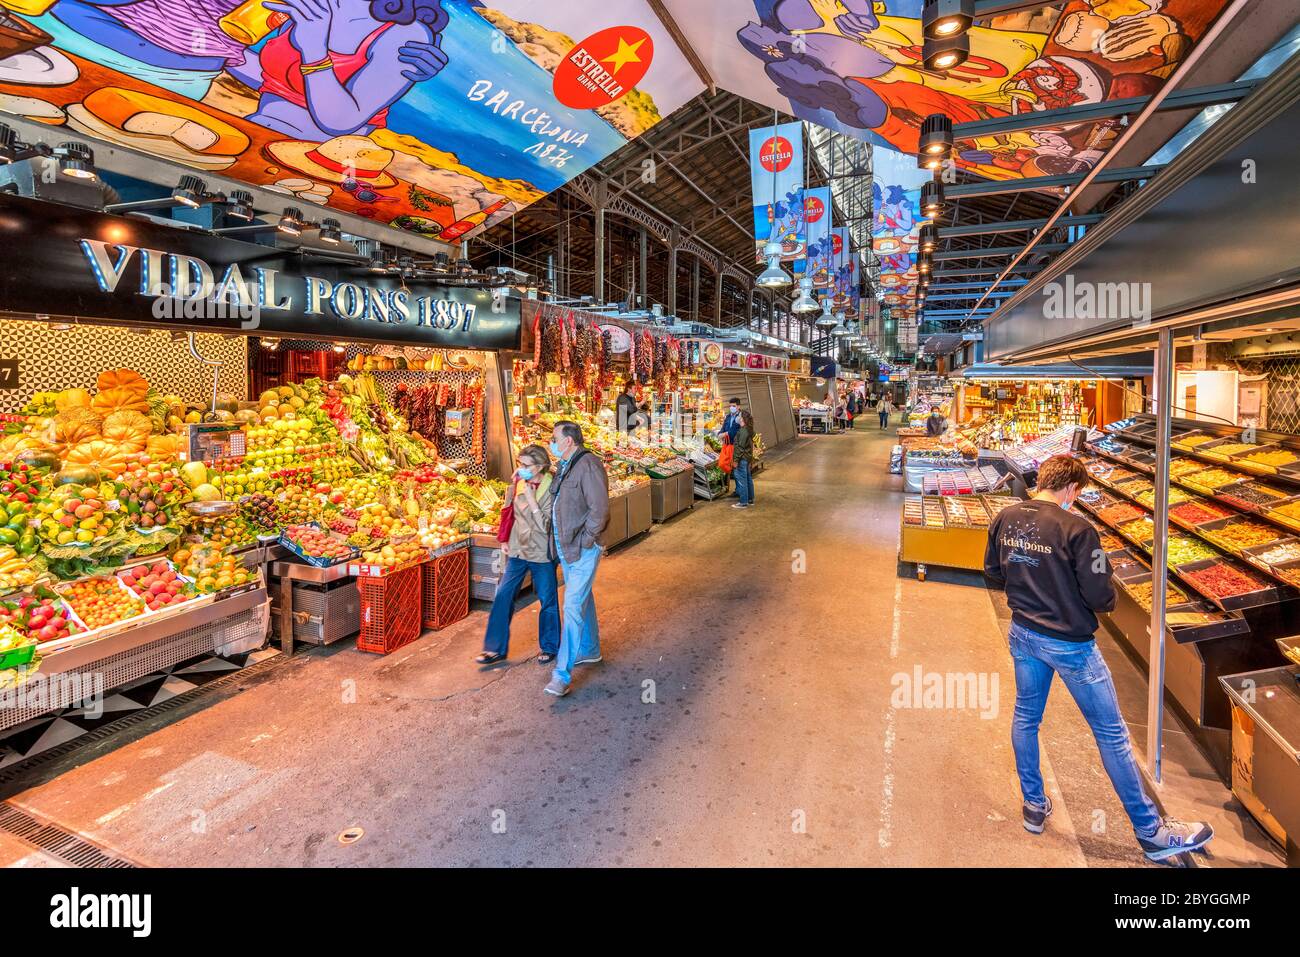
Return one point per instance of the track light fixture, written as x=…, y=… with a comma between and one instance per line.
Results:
x=928, y=239
x=239, y=205
x=946, y=53
x=946, y=18
x=290, y=221
x=935, y=142
x=190, y=191
x=76, y=160
x=331, y=232
x=931, y=199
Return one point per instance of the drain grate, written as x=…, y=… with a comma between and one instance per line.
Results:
x=20, y=768
x=55, y=841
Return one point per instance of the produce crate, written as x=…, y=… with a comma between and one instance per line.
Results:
x=319, y=561
x=445, y=589
x=390, y=610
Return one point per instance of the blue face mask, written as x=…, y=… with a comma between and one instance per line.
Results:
x=525, y=473
x=555, y=449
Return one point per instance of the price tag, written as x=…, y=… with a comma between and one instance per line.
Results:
x=8, y=374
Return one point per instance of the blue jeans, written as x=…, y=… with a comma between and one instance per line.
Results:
x=580, y=636
x=1087, y=678
x=744, y=482
x=497, y=639
x=884, y=419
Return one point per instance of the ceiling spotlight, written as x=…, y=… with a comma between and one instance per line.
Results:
x=931, y=198
x=804, y=302
x=76, y=160
x=929, y=239
x=923, y=264
x=239, y=205
x=331, y=232
x=946, y=18
x=935, y=143
x=946, y=53
x=290, y=221
x=190, y=191
x=773, y=277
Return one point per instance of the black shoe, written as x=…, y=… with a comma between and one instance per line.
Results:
x=1036, y=817
x=489, y=658
x=545, y=658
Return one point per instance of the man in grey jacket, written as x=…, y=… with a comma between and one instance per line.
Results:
x=579, y=513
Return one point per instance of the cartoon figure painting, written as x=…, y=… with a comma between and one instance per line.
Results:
x=441, y=117
x=855, y=66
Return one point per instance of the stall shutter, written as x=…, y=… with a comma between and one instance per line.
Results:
x=782, y=408
x=760, y=403
x=731, y=383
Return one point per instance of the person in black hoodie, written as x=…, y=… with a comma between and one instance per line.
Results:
x=1056, y=577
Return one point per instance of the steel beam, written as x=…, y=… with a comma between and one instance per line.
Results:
x=1015, y=225
x=1001, y=186
x=978, y=286
x=1192, y=99
x=989, y=252
x=990, y=271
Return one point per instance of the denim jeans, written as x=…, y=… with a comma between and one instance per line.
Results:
x=884, y=419
x=497, y=639
x=745, y=482
x=580, y=635
x=1082, y=668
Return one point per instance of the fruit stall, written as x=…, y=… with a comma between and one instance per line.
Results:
x=155, y=508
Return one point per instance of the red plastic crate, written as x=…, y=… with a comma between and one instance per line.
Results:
x=390, y=610
x=446, y=589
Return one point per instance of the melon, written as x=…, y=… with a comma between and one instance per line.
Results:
x=269, y=397
x=207, y=493
x=194, y=474
x=39, y=459
x=246, y=416
x=77, y=475
x=226, y=402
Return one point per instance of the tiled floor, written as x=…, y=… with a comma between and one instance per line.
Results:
x=58, y=727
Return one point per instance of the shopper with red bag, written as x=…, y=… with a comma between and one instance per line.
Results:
x=525, y=537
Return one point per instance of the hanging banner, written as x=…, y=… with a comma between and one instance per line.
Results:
x=776, y=174
x=817, y=245
x=842, y=267
x=436, y=117
x=896, y=226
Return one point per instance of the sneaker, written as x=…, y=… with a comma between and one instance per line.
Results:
x=594, y=659
x=557, y=688
x=1036, y=817
x=1175, y=837
x=740, y=505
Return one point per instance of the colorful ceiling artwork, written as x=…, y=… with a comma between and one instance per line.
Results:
x=438, y=117
x=855, y=66
x=895, y=228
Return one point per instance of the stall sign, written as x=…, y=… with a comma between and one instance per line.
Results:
x=620, y=340
x=458, y=423
x=8, y=374
x=731, y=359
x=755, y=361
x=711, y=353
x=69, y=262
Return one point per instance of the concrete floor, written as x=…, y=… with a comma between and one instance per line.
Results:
x=742, y=716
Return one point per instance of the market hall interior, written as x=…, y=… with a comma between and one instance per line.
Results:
x=756, y=706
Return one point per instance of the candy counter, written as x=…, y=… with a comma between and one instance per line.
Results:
x=1230, y=549
x=947, y=530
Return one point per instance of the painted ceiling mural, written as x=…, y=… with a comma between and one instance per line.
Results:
x=855, y=66
x=439, y=117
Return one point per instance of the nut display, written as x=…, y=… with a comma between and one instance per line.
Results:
x=1286, y=551
x=1143, y=591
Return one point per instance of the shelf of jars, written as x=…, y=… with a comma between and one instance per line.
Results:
x=1220, y=505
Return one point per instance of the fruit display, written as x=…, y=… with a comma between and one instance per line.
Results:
x=1183, y=550
x=1194, y=439
x=1119, y=513
x=1232, y=448
x=1148, y=496
x=21, y=662
x=1242, y=534
x=1212, y=478
x=75, y=515
x=101, y=601
x=260, y=512
x=396, y=555
x=1139, y=529
x=1143, y=592
x=210, y=569
x=1254, y=495
x=157, y=585
x=1180, y=467
x=1198, y=512
x=41, y=615
x=313, y=542
x=1122, y=563
x=150, y=494
x=1284, y=551
x=1287, y=510
x=1272, y=459
x=1222, y=580
x=1109, y=542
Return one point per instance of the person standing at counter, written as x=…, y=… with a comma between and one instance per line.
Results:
x=526, y=552
x=1056, y=578
x=935, y=425
x=625, y=406
x=744, y=459
x=579, y=514
x=731, y=424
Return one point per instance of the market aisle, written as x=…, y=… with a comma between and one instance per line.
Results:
x=743, y=717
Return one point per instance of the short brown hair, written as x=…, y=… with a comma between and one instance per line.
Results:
x=1059, y=471
x=538, y=454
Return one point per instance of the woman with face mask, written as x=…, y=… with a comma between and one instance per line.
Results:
x=527, y=552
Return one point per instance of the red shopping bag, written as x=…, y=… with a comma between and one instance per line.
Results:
x=726, y=458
